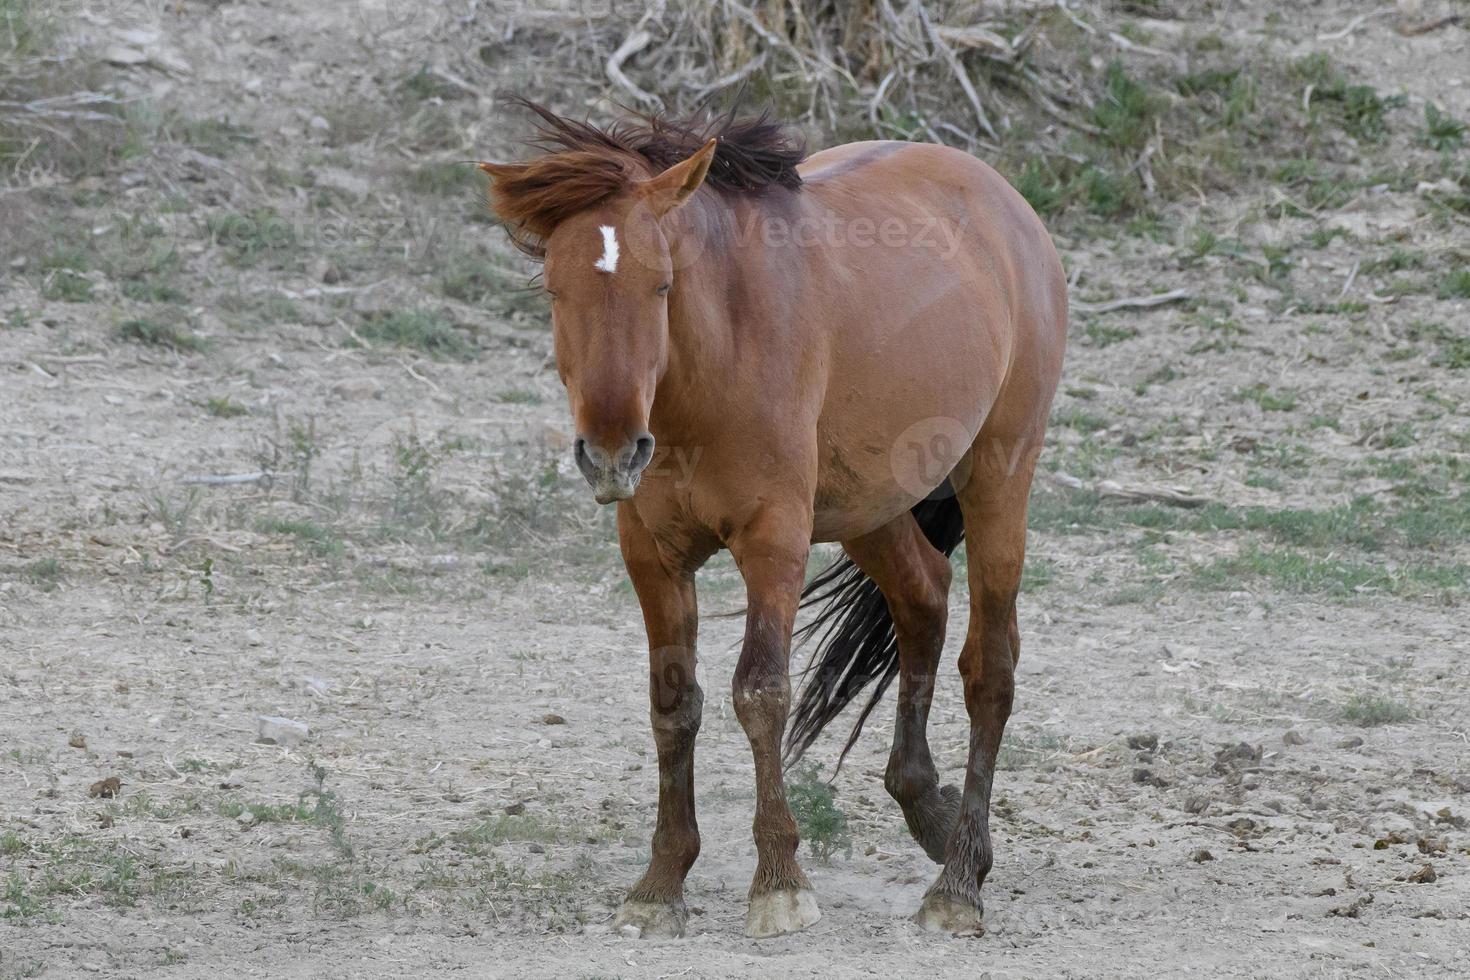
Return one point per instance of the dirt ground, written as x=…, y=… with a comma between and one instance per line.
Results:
x=1239, y=746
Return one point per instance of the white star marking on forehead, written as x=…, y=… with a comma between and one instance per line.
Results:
x=609, y=260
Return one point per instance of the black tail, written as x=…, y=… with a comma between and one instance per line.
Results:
x=857, y=643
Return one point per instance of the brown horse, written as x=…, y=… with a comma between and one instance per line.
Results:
x=764, y=350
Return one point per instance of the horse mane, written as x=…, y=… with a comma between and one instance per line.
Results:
x=583, y=165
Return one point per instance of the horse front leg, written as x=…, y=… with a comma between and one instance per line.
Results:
x=655, y=905
x=771, y=554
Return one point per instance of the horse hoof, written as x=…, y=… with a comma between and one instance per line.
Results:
x=941, y=913
x=778, y=912
x=651, y=920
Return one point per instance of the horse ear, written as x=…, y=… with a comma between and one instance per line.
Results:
x=675, y=185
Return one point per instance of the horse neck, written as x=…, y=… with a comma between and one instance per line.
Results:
x=702, y=324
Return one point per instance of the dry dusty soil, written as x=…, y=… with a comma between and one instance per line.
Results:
x=1240, y=739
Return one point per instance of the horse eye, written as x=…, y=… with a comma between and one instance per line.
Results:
x=664, y=289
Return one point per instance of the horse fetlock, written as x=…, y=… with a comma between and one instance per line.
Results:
x=932, y=819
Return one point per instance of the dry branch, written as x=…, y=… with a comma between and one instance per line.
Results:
x=1132, y=302
x=1171, y=496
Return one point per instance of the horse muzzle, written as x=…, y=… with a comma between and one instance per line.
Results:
x=613, y=475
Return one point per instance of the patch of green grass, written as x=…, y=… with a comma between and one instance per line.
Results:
x=1082, y=421
x=1037, y=573
x=1270, y=401
x=1435, y=518
x=1369, y=710
x=25, y=26
x=258, y=237
x=224, y=408
x=44, y=573
x=814, y=805
x=445, y=179
x=1105, y=334
x=16, y=902
x=507, y=828
x=156, y=334
x=425, y=330
x=1293, y=571
x=1105, y=193
x=423, y=85
x=216, y=137
x=298, y=812
x=1454, y=284
x=519, y=396
x=1040, y=187
x=262, y=309
x=1442, y=131
x=1021, y=750
x=64, y=270
x=1323, y=235
x=1125, y=110
x=1399, y=260
x=323, y=541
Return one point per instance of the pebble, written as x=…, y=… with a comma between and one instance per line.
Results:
x=282, y=731
x=358, y=389
x=1293, y=737
x=630, y=931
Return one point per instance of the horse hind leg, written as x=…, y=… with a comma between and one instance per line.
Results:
x=993, y=502
x=914, y=578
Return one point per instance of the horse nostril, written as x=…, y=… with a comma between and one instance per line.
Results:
x=642, y=453
x=583, y=458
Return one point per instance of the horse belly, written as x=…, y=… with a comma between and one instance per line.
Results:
x=895, y=428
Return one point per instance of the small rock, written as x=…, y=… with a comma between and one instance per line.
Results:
x=104, y=820
x=553, y=719
x=1147, y=777
x=316, y=685
x=1293, y=737
x=1423, y=876
x=1353, y=909
x=1197, y=804
x=630, y=931
x=1148, y=741
x=1242, y=825
x=1201, y=855
x=320, y=124
x=1351, y=742
x=1241, y=752
x=77, y=740
x=124, y=56
x=105, y=789
x=281, y=731
x=246, y=818
x=535, y=848
x=515, y=809
x=252, y=638
x=358, y=389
